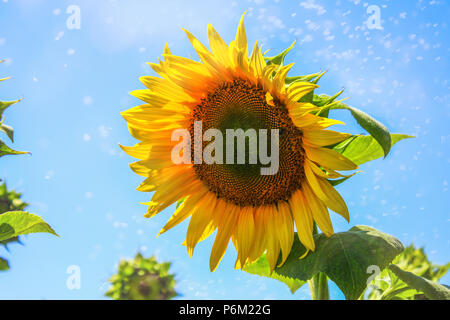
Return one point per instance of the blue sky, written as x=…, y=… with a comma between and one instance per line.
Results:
x=74, y=84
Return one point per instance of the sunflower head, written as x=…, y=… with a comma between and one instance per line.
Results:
x=255, y=193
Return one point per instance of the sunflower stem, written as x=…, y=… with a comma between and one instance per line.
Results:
x=319, y=282
x=319, y=287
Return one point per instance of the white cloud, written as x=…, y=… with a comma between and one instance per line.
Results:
x=104, y=131
x=311, y=4
x=87, y=100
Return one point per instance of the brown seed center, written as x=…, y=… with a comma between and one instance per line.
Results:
x=242, y=105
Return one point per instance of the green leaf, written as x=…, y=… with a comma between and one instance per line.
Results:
x=375, y=128
x=279, y=59
x=8, y=130
x=432, y=290
x=15, y=223
x=344, y=258
x=5, y=104
x=261, y=268
x=5, y=150
x=4, y=265
x=361, y=149
x=387, y=286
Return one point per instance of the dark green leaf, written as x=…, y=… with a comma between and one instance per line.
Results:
x=375, y=128
x=15, y=223
x=361, y=149
x=262, y=268
x=344, y=258
x=432, y=290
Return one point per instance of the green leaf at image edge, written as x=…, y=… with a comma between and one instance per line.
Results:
x=5, y=150
x=8, y=130
x=344, y=258
x=16, y=223
x=361, y=149
x=432, y=290
x=388, y=286
x=5, y=105
x=4, y=265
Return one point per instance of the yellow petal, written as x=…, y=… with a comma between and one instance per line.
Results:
x=304, y=119
x=279, y=81
x=148, y=113
x=205, y=55
x=321, y=138
x=259, y=241
x=299, y=89
x=285, y=229
x=272, y=242
x=245, y=231
x=334, y=201
x=297, y=110
x=303, y=219
x=328, y=173
x=219, y=47
x=329, y=158
x=200, y=219
x=165, y=88
x=150, y=97
x=268, y=73
x=318, y=210
x=139, y=151
x=324, y=123
x=257, y=62
x=225, y=228
x=325, y=192
x=166, y=49
x=241, y=38
x=184, y=211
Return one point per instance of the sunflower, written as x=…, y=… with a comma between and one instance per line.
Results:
x=227, y=89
